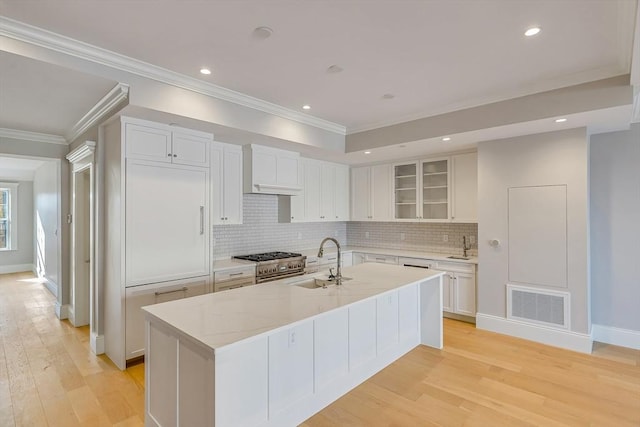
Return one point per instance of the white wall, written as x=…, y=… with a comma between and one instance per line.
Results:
x=615, y=228
x=22, y=258
x=555, y=158
x=46, y=190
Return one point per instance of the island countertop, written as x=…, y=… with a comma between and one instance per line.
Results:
x=222, y=319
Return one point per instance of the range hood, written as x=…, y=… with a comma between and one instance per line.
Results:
x=271, y=171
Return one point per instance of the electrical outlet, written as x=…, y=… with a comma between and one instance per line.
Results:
x=403, y=236
x=445, y=237
x=292, y=338
x=472, y=239
x=366, y=234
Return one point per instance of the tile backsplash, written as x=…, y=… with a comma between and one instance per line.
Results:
x=427, y=237
x=261, y=232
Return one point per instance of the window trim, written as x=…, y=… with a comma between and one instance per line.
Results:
x=13, y=215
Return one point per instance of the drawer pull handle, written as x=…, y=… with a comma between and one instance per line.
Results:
x=185, y=289
x=236, y=274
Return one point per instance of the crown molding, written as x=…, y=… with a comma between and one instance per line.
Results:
x=84, y=150
x=116, y=95
x=49, y=40
x=32, y=136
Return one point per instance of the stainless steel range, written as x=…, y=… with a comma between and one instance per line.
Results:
x=276, y=265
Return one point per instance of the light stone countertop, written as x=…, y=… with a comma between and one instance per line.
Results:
x=221, y=319
x=330, y=248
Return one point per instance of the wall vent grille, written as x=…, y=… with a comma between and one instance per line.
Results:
x=541, y=306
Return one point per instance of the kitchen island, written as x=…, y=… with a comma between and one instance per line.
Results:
x=277, y=353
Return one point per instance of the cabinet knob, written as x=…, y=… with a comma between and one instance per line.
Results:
x=175, y=155
x=291, y=217
x=169, y=155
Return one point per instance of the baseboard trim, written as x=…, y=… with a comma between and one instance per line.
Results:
x=616, y=336
x=51, y=286
x=569, y=340
x=62, y=311
x=16, y=268
x=97, y=343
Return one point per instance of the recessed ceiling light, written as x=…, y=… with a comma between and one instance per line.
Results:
x=446, y=139
x=367, y=152
x=532, y=31
x=562, y=120
x=388, y=96
x=335, y=69
x=205, y=71
x=306, y=107
x=262, y=33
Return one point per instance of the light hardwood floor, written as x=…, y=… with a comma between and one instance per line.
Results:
x=49, y=377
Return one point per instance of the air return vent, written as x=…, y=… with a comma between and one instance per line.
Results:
x=540, y=306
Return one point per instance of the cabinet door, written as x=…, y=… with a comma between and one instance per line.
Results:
x=358, y=258
x=362, y=333
x=448, y=283
x=140, y=296
x=408, y=313
x=327, y=192
x=166, y=222
x=147, y=143
x=347, y=259
x=387, y=321
x=232, y=188
x=360, y=194
x=290, y=366
x=190, y=149
x=405, y=191
x=465, y=294
x=435, y=189
x=217, y=184
x=464, y=201
x=312, y=189
x=287, y=170
x=341, y=190
x=381, y=203
x=331, y=347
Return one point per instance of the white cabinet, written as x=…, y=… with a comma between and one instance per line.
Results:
x=157, y=194
x=331, y=347
x=140, y=296
x=341, y=193
x=387, y=321
x=347, y=259
x=290, y=366
x=371, y=193
x=234, y=278
x=408, y=317
x=271, y=171
x=358, y=258
x=362, y=333
x=226, y=184
x=421, y=190
x=381, y=259
x=464, y=185
x=459, y=288
x=167, y=144
x=312, y=190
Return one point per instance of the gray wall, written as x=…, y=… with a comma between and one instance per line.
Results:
x=24, y=253
x=615, y=228
x=45, y=190
x=554, y=158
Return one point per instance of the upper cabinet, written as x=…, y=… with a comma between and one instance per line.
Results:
x=271, y=171
x=371, y=193
x=167, y=144
x=226, y=183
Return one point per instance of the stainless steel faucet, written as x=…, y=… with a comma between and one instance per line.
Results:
x=321, y=252
x=465, y=248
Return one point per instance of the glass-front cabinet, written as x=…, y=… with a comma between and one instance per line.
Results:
x=405, y=190
x=421, y=190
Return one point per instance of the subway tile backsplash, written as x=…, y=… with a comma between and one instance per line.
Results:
x=261, y=232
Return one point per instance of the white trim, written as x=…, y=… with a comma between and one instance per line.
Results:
x=23, y=135
x=51, y=286
x=116, y=95
x=62, y=310
x=550, y=336
x=15, y=268
x=97, y=343
x=39, y=37
x=84, y=150
x=616, y=336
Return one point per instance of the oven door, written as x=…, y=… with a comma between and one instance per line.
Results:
x=278, y=276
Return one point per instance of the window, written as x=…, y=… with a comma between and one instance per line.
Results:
x=8, y=214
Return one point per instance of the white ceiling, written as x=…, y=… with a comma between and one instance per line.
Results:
x=434, y=56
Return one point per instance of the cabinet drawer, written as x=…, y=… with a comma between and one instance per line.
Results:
x=140, y=296
x=234, y=274
x=383, y=259
x=225, y=285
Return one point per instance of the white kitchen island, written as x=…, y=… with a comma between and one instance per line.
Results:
x=275, y=354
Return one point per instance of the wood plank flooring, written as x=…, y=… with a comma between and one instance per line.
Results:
x=49, y=377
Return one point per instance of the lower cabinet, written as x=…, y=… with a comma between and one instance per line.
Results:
x=139, y=296
x=458, y=288
x=362, y=333
x=331, y=347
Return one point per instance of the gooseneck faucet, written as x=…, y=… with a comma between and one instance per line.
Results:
x=321, y=252
x=465, y=248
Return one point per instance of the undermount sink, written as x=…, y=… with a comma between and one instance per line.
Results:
x=316, y=283
x=459, y=257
